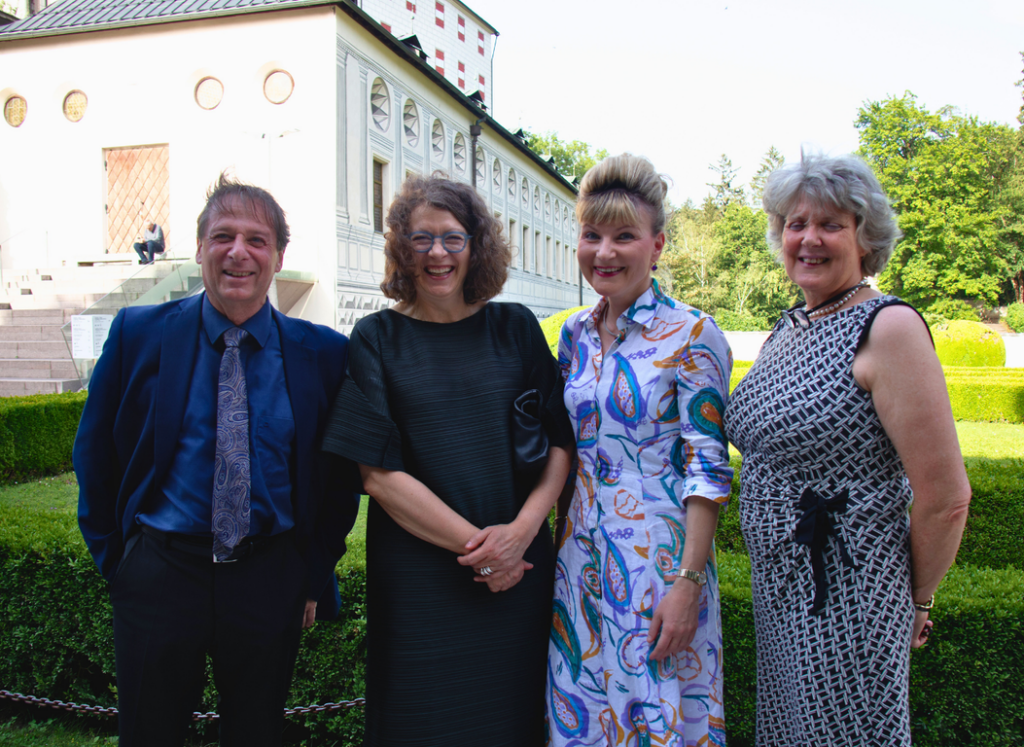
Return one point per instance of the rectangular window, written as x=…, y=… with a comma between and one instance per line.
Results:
x=462, y=29
x=378, y=196
x=480, y=42
x=439, y=61
x=549, y=258
x=566, y=267
x=558, y=260
x=513, y=237
x=527, y=264
x=538, y=249
x=462, y=67
x=410, y=6
x=439, y=14
x=462, y=75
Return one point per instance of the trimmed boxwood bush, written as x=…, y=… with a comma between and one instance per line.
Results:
x=37, y=433
x=56, y=638
x=963, y=343
x=1015, y=317
x=741, y=322
x=552, y=326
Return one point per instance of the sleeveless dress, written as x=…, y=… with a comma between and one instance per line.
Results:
x=824, y=508
x=648, y=420
x=449, y=663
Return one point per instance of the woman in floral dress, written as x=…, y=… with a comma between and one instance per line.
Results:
x=636, y=643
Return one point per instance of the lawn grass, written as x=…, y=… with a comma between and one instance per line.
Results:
x=991, y=440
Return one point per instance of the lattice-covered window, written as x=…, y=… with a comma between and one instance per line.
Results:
x=74, y=106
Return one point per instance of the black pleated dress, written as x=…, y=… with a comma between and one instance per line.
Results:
x=449, y=662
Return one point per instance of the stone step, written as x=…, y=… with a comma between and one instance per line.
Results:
x=37, y=368
x=31, y=333
x=57, y=316
x=35, y=350
x=24, y=387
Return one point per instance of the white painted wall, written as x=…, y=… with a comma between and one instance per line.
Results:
x=140, y=84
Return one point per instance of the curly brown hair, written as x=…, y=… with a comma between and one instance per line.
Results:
x=489, y=252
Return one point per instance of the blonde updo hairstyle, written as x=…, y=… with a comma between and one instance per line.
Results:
x=625, y=190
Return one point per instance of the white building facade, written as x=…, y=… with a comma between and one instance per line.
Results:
x=316, y=101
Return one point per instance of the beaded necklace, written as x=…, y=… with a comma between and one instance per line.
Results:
x=836, y=302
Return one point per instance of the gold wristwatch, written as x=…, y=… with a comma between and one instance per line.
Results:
x=698, y=577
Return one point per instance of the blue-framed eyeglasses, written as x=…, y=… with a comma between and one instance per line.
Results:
x=452, y=242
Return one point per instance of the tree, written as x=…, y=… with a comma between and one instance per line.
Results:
x=724, y=191
x=691, y=250
x=772, y=160
x=942, y=173
x=1011, y=200
x=572, y=158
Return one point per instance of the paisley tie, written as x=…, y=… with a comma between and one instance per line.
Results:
x=231, y=463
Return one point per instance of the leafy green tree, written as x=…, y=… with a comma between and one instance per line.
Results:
x=1011, y=200
x=572, y=157
x=724, y=192
x=689, y=258
x=943, y=172
x=757, y=285
x=772, y=160
x=720, y=262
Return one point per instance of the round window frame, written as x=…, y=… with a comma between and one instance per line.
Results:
x=7, y=110
x=199, y=85
x=291, y=86
x=70, y=115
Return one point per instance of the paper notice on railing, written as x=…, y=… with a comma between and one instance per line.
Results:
x=88, y=333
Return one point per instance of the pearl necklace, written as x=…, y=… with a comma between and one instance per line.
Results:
x=823, y=310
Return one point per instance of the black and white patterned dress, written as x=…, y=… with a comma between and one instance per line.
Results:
x=822, y=485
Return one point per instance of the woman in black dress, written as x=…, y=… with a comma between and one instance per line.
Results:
x=459, y=558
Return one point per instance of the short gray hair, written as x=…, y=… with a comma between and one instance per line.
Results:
x=842, y=182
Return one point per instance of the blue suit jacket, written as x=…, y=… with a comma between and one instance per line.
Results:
x=132, y=418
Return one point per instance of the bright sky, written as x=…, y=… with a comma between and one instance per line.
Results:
x=683, y=81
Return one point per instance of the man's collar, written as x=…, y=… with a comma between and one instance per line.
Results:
x=216, y=324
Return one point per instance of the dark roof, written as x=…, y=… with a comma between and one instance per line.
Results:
x=73, y=16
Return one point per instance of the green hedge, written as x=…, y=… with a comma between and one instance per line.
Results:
x=965, y=343
x=56, y=638
x=37, y=433
x=1015, y=317
x=984, y=394
x=994, y=537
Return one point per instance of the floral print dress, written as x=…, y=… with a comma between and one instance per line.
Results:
x=648, y=422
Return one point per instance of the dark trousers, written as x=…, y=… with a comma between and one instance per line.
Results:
x=147, y=250
x=172, y=607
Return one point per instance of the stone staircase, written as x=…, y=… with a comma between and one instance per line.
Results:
x=35, y=304
x=34, y=358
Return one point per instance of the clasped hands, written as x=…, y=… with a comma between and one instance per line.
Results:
x=499, y=547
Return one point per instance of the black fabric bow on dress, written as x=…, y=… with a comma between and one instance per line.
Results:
x=813, y=528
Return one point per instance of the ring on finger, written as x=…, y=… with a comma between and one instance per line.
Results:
x=485, y=571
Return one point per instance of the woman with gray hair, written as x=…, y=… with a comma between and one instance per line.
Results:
x=843, y=421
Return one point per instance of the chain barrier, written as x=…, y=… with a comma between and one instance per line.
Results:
x=209, y=716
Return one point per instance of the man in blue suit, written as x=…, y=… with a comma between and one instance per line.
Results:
x=204, y=498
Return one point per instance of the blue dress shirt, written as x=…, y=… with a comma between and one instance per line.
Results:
x=183, y=503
